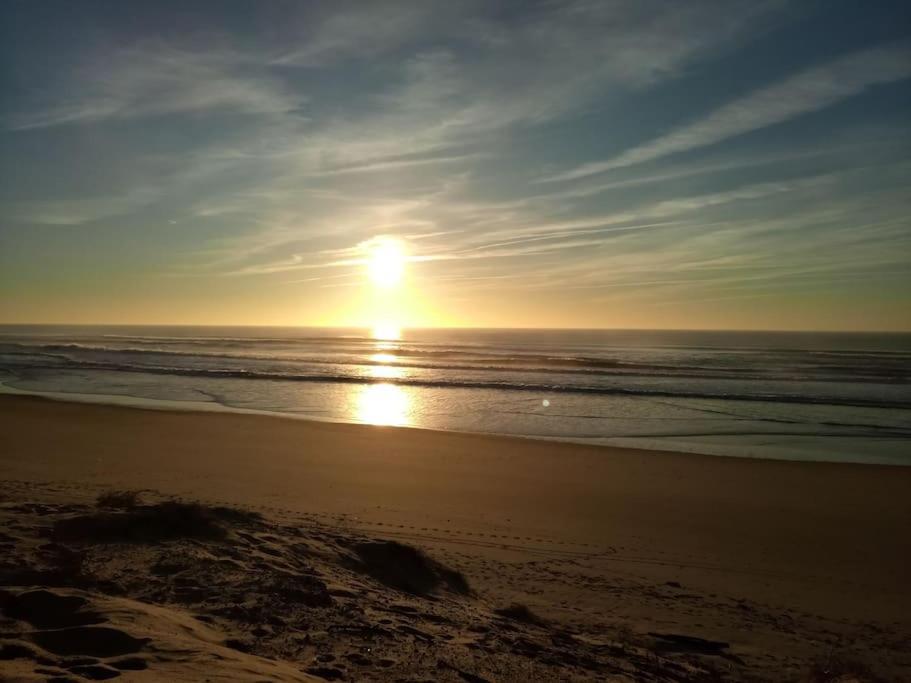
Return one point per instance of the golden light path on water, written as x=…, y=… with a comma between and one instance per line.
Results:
x=385, y=403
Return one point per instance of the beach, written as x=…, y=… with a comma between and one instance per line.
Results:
x=784, y=563
x=473, y=342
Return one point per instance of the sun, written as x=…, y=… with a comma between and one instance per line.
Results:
x=386, y=263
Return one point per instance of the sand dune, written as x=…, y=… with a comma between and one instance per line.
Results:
x=181, y=591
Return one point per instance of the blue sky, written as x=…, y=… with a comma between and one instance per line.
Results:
x=575, y=164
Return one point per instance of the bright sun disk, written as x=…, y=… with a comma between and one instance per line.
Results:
x=386, y=263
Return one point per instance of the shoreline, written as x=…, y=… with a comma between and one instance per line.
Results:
x=640, y=443
x=136, y=403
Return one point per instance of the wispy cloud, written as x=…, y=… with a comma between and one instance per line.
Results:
x=395, y=164
x=362, y=30
x=535, y=238
x=805, y=92
x=68, y=212
x=154, y=79
x=279, y=152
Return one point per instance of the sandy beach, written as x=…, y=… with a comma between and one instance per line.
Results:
x=634, y=565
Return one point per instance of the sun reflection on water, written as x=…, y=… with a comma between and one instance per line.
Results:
x=384, y=367
x=383, y=404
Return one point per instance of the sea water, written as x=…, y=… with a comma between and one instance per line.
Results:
x=805, y=396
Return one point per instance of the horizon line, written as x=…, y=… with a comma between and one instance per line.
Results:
x=470, y=327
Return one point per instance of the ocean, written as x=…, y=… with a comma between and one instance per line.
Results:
x=804, y=396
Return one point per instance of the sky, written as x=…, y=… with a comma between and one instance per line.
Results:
x=739, y=164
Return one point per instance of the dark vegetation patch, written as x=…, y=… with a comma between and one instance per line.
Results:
x=675, y=642
x=521, y=613
x=406, y=568
x=118, y=500
x=300, y=590
x=153, y=524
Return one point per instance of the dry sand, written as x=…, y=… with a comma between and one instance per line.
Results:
x=635, y=565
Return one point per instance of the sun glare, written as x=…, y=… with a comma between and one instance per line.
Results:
x=386, y=332
x=383, y=404
x=386, y=263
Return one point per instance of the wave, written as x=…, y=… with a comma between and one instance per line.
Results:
x=363, y=360
x=514, y=345
x=694, y=340
x=538, y=387
x=401, y=350
x=528, y=363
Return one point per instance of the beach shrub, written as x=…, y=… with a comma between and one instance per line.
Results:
x=406, y=568
x=521, y=613
x=153, y=523
x=118, y=500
